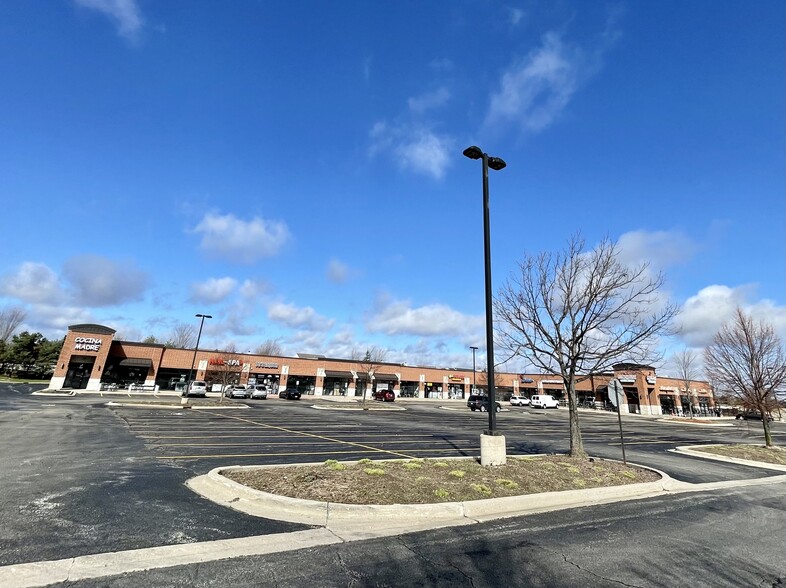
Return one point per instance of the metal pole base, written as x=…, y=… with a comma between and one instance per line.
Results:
x=492, y=450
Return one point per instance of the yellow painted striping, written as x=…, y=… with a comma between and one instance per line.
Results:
x=291, y=443
x=224, y=455
x=277, y=428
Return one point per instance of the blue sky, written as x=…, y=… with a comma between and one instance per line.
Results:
x=295, y=169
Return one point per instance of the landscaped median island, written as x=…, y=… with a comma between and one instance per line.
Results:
x=776, y=455
x=424, y=481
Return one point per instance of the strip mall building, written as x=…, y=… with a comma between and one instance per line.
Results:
x=92, y=359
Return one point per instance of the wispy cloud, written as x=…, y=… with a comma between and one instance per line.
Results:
x=337, y=271
x=515, y=15
x=534, y=91
x=34, y=283
x=429, y=100
x=235, y=240
x=125, y=14
x=213, y=290
x=414, y=148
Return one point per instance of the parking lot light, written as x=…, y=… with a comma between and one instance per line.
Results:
x=196, y=347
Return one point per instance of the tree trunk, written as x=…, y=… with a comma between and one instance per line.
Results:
x=576, y=442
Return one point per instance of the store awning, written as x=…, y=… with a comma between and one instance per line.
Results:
x=338, y=374
x=136, y=362
x=386, y=377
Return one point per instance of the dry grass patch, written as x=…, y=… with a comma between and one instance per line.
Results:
x=398, y=482
x=774, y=455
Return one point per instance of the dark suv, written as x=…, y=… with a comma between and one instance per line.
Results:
x=481, y=403
x=290, y=394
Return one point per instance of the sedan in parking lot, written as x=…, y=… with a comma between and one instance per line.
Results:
x=290, y=394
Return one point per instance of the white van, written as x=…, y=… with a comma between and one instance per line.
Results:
x=544, y=401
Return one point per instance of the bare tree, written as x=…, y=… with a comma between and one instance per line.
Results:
x=686, y=364
x=483, y=379
x=182, y=336
x=10, y=319
x=369, y=364
x=269, y=347
x=573, y=313
x=224, y=368
x=747, y=358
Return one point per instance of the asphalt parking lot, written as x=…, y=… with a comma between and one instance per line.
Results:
x=279, y=431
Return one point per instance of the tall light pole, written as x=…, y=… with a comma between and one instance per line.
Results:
x=199, y=335
x=474, y=349
x=496, y=164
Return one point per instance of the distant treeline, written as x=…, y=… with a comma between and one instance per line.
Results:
x=29, y=355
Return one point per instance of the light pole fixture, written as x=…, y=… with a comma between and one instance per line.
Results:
x=199, y=336
x=474, y=387
x=496, y=164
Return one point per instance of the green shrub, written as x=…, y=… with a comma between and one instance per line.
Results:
x=441, y=464
x=332, y=464
x=579, y=483
x=374, y=471
x=481, y=489
x=364, y=461
x=441, y=493
x=412, y=465
x=509, y=484
x=630, y=475
x=457, y=473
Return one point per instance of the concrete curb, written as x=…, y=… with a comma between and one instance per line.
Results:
x=347, y=519
x=696, y=451
x=357, y=408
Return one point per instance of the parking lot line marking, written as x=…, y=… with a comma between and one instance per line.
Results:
x=436, y=441
x=289, y=454
x=278, y=428
x=260, y=436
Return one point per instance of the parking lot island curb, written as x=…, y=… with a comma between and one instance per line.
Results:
x=347, y=520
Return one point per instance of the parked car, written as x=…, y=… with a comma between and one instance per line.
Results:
x=481, y=403
x=289, y=394
x=752, y=415
x=259, y=391
x=196, y=388
x=544, y=401
x=237, y=391
x=519, y=400
x=384, y=395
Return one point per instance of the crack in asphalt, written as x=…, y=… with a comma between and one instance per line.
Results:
x=353, y=577
x=433, y=563
x=578, y=567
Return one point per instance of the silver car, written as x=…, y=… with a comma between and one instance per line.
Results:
x=259, y=391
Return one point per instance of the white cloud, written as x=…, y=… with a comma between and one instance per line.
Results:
x=398, y=318
x=429, y=100
x=213, y=290
x=703, y=314
x=660, y=248
x=414, y=148
x=252, y=289
x=125, y=14
x=33, y=283
x=98, y=281
x=298, y=317
x=53, y=320
x=230, y=238
x=337, y=271
x=535, y=90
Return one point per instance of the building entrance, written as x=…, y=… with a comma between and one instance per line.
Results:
x=79, y=369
